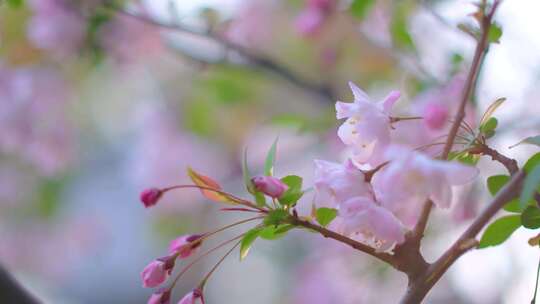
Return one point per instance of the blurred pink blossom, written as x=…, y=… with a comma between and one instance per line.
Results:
x=154, y=274
x=193, y=297
x=311, y=19
x=186, y=245
x=252, y=27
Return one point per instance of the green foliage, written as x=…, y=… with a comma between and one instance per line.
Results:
x=532, y=140
x=360, y=8
x=49, y=197
x=495, y=33
x=275, y=217
x=491, y=109
x=500, y=230
x=275, y=232
x=530, y=218
x=530, y=187
x=260, y=199
x=325, y=216
x=15, y=3
x=294, y=193
x=532, y=162
x=489, y=125
x=247, y=241
x=399, y=27
x=495, y=183
x=200, y=117
x=464, y=157
x=270, y=159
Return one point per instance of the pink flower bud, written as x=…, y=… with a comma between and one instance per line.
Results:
x=150, y=197
x=435, y=115
x=194, y=297
x=269, y=185
x=185, y=245
x=155, y=273
x=160, y=297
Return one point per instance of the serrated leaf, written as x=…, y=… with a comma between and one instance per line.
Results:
x=495, y=183
x=275, y=232
x=247, y=241
x=491, y=109
x=325, y=216
x=294, y=192
x=270, y=159
x=490, y=125
x=500, y=230
x=530, y=218
x=360, y=8
x=207, y=182
x=275, y=217
x=532, y=181
x=495, y=33
x=532, y=140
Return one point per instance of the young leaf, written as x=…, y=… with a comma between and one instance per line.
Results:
x=495, y=183
x=533, y=140
x=360, y=8
x=489, y=126
x=530, y=218
x=532, y=181
x=275, y=232
x=207, y=182
x=491, y=109
x=275, y=217
x=294, y=193
x=500, y=230
x=247, y=241
x=531, y=163
x=260, y=199
x=325, y=216
x=495, y=33
x=246, y=175
x=270, y=159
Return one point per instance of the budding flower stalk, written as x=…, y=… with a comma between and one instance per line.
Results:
x=151, y=196
x=186, y=245
x=194, y=297
x=269, y=185
x=160, y=297
x=155, y=273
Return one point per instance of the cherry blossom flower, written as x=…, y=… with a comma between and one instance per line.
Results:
x=194, y=297
x=269, y=185
x=160, y=297
x=364, y=216
x=155, y=273
x=185, y=245
x=412, y=177
x=336, y=183
x=367, y=128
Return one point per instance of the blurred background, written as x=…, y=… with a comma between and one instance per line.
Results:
x=99, y=100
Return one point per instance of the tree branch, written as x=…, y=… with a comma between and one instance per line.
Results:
x=510, y=164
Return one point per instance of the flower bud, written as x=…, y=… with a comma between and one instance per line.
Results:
x=150, y=197
x=435, y=115
x=194, y=297
x=269, y=185
x=185, y=245
x=160, y=297
x=155, y=273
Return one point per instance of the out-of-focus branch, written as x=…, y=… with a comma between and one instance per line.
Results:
x=12, y=292
x=510, y=164
x=259, y=61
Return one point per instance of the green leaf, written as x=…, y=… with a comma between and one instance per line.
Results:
x=270, y=159
x=489, y=125
x=275, y=217
x=532, y=162
x=500, y=230
x=325, y=216
x=495, y=33
x=491, y=109
x=15, y=3
x=246, y=175
x=275, y=232
x=260, y=199
x=399, y=27
x=294, y=193
x=360, y=8
x=247, y=241
x=533, y=140
x=532, y=181
x=495, y=183
x=530, y=218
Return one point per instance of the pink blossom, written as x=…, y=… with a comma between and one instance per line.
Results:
x=155, y=273
x=367, y=128
x=364, y=216
x=412, y=177
x=160, y=297
x=435, y=115
x=269, y=185
x=56, y=27
x=336, y=183
x=194, y=297
x=309, y=21
x=185, y=245
x=150, y=197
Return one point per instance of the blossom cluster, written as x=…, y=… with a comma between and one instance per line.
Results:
x=379, y=204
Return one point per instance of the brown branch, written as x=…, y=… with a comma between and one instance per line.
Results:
x=12, y=292
x=418, y=289
x=385, y=257
x=325, y=92
x=470, y=83
x=510, y=164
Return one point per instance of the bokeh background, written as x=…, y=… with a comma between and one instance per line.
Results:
x=97, y=104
